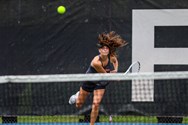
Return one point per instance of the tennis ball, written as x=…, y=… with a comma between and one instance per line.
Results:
x=61, y=9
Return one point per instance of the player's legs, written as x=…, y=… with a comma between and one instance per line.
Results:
x=97, y=97
x=81, y=98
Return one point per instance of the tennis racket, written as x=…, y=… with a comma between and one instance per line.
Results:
x=133, y=68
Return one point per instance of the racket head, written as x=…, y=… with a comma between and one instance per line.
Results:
x=133, y=68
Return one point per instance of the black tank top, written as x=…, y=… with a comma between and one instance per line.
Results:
x=108, y=67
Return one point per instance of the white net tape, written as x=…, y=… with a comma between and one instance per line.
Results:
x=91, y=77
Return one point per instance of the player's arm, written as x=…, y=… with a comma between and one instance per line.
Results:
x=96, y=64
x=114, y=61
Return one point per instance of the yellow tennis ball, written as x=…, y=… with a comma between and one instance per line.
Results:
x=61, y=9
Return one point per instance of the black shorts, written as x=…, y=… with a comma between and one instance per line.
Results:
x=91, y=86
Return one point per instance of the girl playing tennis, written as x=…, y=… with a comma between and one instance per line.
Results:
x=105, y=62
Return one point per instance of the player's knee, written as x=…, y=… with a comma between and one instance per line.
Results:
x=96, y=105
x=79, y=105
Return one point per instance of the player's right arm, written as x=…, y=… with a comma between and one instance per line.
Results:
x=97, y=65
x=114, y=61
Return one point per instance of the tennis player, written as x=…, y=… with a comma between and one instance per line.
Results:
x=105, y=62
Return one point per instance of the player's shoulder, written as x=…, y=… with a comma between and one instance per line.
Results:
x=96, y=62
x=112, y=57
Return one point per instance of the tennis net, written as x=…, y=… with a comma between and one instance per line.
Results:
x=136, y=97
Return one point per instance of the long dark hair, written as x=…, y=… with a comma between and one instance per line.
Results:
x=112, y=40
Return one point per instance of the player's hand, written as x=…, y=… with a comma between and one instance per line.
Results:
x=113, y=71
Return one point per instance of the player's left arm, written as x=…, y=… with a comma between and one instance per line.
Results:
x=114, y=61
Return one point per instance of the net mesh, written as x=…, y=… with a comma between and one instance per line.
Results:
x=135, y=98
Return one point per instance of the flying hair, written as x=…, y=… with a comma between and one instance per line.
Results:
x=112, y=40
